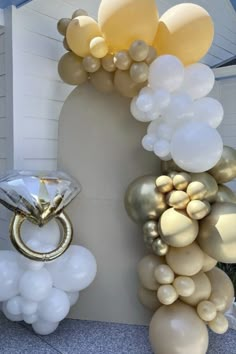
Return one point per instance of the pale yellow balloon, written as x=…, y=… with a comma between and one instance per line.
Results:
x=198, y=209
x=222, y=288
x=220, y=324
x=125, y=85
x=98, y=47
x=146, y=271
x=209, y=182
x=184, y=286
x=217, y=236
x=187, y=260
x=164, y=184
x=71, y=70
x=167, y=294
x=225, y=169
x=206, y=310
x=108, y=63
x=125, y=21
x=178, y=329
x=181, y=181
x=80, y=31
x=202, y=290
x=148, y=298
x=208, y=263
x=185, y=31
x=225, y=194
x=102, y=80
x=164, y=274
x=196, y=190
x=177, y=229
x=177, y=199
x=159, y=247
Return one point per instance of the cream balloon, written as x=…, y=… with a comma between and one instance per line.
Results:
x=184, y=286
x=167, y=294
x=208, y=263
x=206, y=311
x=177, y=199
x=146, y=270
x=196, y=190
x=98, y=47
x=164, y=184
x=220, y=324
x=148, y=298
x=198, y=209
x=202, y=290
x=164, y=274
x=209, y=182
x=181, y=181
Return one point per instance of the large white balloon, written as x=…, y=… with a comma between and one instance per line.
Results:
x=199, y=80
x=44, y=327
x=136, y=113
x=161, y=98
x=73, y=297
x=10, y=273
x=208, y=110
x=75, y=270
x=145, y=99
x=180, y=107
x=196, y=147
x=35, y=285
x=166, y=72
x=55, y=307
x=9, y=316
x=13, y=306
x=49, y=233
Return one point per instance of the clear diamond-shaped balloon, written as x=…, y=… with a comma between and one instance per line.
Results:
x=37, y=195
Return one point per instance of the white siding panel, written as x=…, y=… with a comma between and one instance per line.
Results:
x=40, y=149
x=39, y=164
x=40, y=66
x=40, y=128
x=37, y=107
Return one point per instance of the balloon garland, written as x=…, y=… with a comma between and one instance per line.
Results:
x=188, y=215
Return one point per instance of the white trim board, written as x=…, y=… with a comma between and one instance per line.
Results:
x=225, y=72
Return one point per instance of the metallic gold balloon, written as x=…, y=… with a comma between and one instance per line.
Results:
x=148, y=298
x=91, y=64
x=139, y=50
x=208, y=263
x=209, y=182
x=220, y=324
x=150, y=228
x=62, y=25
x=139, y=72
x=125, y=85
x=176, y=329
x=206, y=310
x=181, y=181
x=225, y=170
x=187, y=260
x=152, y=55
x=98, y=47
x=196, y=190
x=184, y=286
x=108, y=63
x=169, y=166
x=202, y=290
x=164, y=184
x=177, y=229
x=217, y=236
x=146, y=270
x=167, y=294
x=142, y=200
x=159, y=247
x=71, y=70
x=122, y=60
x=65, y=45
x=164, y=274
x=198, y=209
x=222, y=287
x=79, y=12
x=177, y=199
x=225, y=194
x=102, y=80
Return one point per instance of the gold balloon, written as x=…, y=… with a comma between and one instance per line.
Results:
x=142, y=200
x=185, y=31
x=152, y=55
x=148, y=298
x=225, y=169
x=187, y=260
x=208, y=263
x=150, y=228
x=198, y=209
x=139, y=72
x=108, y=63
x=181, y=181
x=139, y=50
x=217, y=236
x=222, y=287
x=164, y=184
x=70, y=69
x=91, y=64
x=184, y=286
x=169, y=166
x=122, y=60
x=80, y=32
x=103, y=81
x=98, y=47
x=225, y=194
x=79, y=12
x=159, y=247
x=177, y=329
x=206, y=311
x=177, y=199
x=220, y=324
x=177, y=229
x=167, y=294
x=124, y=21
x=202, y=290
x=125, y=85
x=62, y=25
x=146, y=270
x=196, y=190
x=164, y=274
x=65, y=45
x=209, y=182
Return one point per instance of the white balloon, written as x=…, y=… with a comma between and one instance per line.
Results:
x=13, y=306
x=9, y=316
x=27, y=263
x=167, y=157
x=145, y=99
x=44, y=327
x=75, y=270
x=208, y=110
x=30, y=319
x=161, y=98
x=153, y=114
x=28, y=307
x=180, y=107
x=73, y=297
x=162, y=148
x=55, y=307
x=35, y=285
x=196, y=147
x=166, y=72
x=199, y=80
x=10, y=273
x=136, y=113
x=164, y=131
x=49, y=233
x=148, y=142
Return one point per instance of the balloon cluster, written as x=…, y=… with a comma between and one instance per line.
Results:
x=39, y=293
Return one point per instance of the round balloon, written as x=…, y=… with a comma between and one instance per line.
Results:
x=202, y=290
x=225, y=194
x=146, y=271
x=102, y=80
x=208, y=110
x=209, y=182
x=71, y=70
x=35, y=285
x=125, y=85
x=10, y=273
x=148, y=298
x=55, y=307
x=225, y=170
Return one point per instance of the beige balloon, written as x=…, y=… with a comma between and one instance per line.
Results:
x=148, y=298
x=164, y=184
x=184, y=286
x=146, y=271
x=79, y=12
x=122, y=60
x=187, y=260
x=206, y=311
x=198, y=209
x=190, y=333
x=220, y=324
x=196, y=190
x=202, y=290
x=208, y=263
x=139, y=50
x=159, y=247
x=167, y=294
x=181, y=181
x=125, y=85
x=62, y=25
x=169, y=166
x=91, y=64
x=98, y=47
x=71, y=70
x=225, y=194
x=177, y=229
x=225, y=169
x=152, y=55
x=177, y=199
x=217, y=236
x=210, y=184
x=65, y=45
x=103, y=81
x=108, y=63
x=164, y=274
x=222, y=287
x=139, y=72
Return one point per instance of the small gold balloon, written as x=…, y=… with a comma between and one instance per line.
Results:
x=181, y=181
x=196, y=190
x=206, y=310
x=198, y=209
x=146, y=270
x=202, y=290
x=91, y=64
x=164, y=184
x=139, y=72
x=225, y=169
x=164, y=274
x=187, y=260
x=167, y=294
x=225, y=194
x=177, y=229
x=184, y=286
x=208, y=263
x=148, y=298
x=150, y=228
x=148, y=240
x=159, y=247
x=139, y=50
x=177, y=199
x=169, y=166
x=209, y=182
x=152, y=55
x=71, y=70
x=98, y=47
x=79, y=12
x=125, y=85
x=220, y=324
x=65, y=45
x=62, y=25
x=102, y=80
x=122, y=60
x=108, y=63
